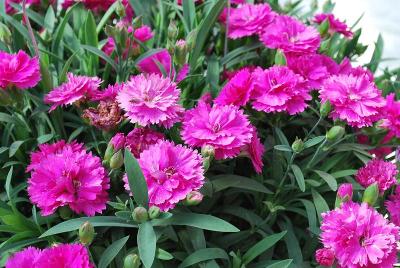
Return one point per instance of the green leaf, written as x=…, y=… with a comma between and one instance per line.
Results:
x=136, y=180
x=106, y=16
x=204, y=254
x=320, y=204
x=97, y=221
x=314, y=141
x=281, y=264
x=328, y=178
x=163, y=255
x=189, y=13
x=147, y=242
x=8, y=184
x=377, y=55
x=298, y=174
x=60, y=29
x=63, y=75
x=147, y=54
x=101, y=54
x=202, y=221
x=50, y=20
x=311, y=216
x=45, y=138
x=212, y=77
x=283, y=148
x=222, y=182
x=7, y=118
x=344, y=173
x=262, y=246
x=14, y=148
x=109, y=254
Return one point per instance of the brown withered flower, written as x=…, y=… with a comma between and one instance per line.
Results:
x=106, y=116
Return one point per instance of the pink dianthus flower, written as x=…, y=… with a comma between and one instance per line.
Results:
x=393, y=206
x=141, y=139
x=108, y=94
x=325, y=256
x=255, y=150
x=24, y=259
x=391, y=119
x=64, y=255
x=118, y=141
x=335, y=25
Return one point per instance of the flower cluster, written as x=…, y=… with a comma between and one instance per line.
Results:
x=335, y=25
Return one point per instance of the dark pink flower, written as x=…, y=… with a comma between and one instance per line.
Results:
x=143, y=33
x=64, y=255
x=255, y=151
x=335, y=25
x=108, y=94
x=76, y=89
x=24, y=259
x=291, y=36
x=345, y=67
x=140, y=139
x=391, y=117
x=249, y=19
x=393, y=206
x=279, y=89
x=151, y=64
x=325, y=257
x=380, y=151
x=118, y=141
x=345, y=191
x=18, y=70
x=237, y=91
x=380, y=171
x=225, y=128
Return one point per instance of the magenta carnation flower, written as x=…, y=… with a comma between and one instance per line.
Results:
x=18, y=70
x=108, y=94
x=150, y=99
x=255, y=150
x=391, y=119
x=66, y=175
x=237, y=91
x=118, y=141
x=171, y=172
x=64, y=255
x=379, y=171
x=359, y=236
x=151, y=64
x=335, y=25
x=249, y=19
x=355, y=99
x=393, y=206
x=225, y=128
x=345, y=67
x=279, y=89
x=140, y=139
x=143, y=33
x=325, y=256
x=77, y=88
x=291, y=36
x=345, y=191
x=24, y=259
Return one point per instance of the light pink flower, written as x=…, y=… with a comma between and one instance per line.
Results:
x=393, y=206
x=108, y=94
x=171, y=172
x=76, y=89
x=150, y=99
x=118, y=141
x=24, y=259
x=325, y=257
x=359, y=236
x=237, y=91
x=335, y=25
x=225, y=128
x=64, y=255
x=391, y=119
x=68, y=176
x=140, y=139
x=355, y=99
x=291, y=36
x=345, y=191
x=279, y=89
x=249, y=19
x=380, y=171
x=18, y=70
x=255, y=150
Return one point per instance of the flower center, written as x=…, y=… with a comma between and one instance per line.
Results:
x=169, y=171
x=216, y=127
x=354, y=96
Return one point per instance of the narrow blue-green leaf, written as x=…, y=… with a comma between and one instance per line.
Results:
x=147, y=242
x=44, y=138
x=63, y=75
x=140, y=10
x=212, y=77
x=8, y=183
x=50, y=19
x=261, y=247
x=101, y=54
x=319, y=203
x=377, y=55
x=222, y=182
x=163, y=255
x=204, y=254
x=136, y=180
x=148, y=54
x=314, y=141
x=281, y=264
x=283, y=148
x=311, y=215
x=60, y=29
x=109, y=254
x=298, y=174
x=7, y=118
x=14, y=148
x=106, y=16
x=328, y=178
x=189, y=13
x=32, y=15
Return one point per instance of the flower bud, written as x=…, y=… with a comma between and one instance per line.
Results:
x=207, y=151
x=191, y=40
x=65, y=212
x=109, y=152
x=154, y=212
x=120, y=9
x=140, y=214
x=132, y=261
x=206, y=163
x=325, y=109
x=86, y=233
x=371, y=194
x=344, y=194
x=335, y=133
x=323, y=28
x=180, y=52
x=117, y=160
x=172, y=31
x=325, y=257
x=280, y=58
x=298, y=145
x=5, y=34
x=193, y=198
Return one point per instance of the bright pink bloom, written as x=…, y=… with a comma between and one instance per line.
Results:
x=380, y=171
x=143, y=33
x=225, y=128
x=355, y=99
x=64, y=255
x=95, y=5
x=393, y=206
x=19, y=70
x=335, y=25
x=70, y=177
x=224, y=14
x=345, y=191
x=255, y=151
x=24, y=259
x=249, y=19
x=140, y=139
x=183, y=72
x=206, y=98
x=391, y=119
x=325, y=256
x=237, y=91
x=151, y=64
x=359, y=236
x=108, y=94
x=291, y=36
x=76, y=89
x=118, y=141
x=150, y=99
x=229, y=74
x=380, y=151
x=279, y=89
x=345, y=67
x=314, y=68
x=171, y=172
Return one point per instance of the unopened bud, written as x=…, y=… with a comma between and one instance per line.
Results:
x=132, y=261
x=172, y=31
x=154, y=212
x=335, y=133
x=5, y=34
x=191, y=40
x=207, y=151
x=193, y=198
x=344, y=194
x=371, y=194
x=86, y=233
x=120, y=9
x=180, y=52
x=117, y=160
x=323, y=28
x=140, y=214
x=325, y=109
x=298, y=145
x=280, y=58
x=109, y=152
